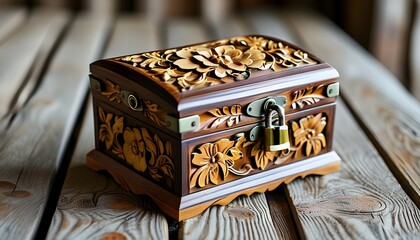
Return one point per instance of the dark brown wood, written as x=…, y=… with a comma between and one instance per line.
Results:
x=139, y=139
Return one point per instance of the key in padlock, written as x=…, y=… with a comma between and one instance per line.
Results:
x=276, y=138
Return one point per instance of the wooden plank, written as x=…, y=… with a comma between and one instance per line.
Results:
x=414, y=54
x=29, y=43
x=92, y=205
x=34, y=143
x=362, y=200
x=389, y=114
x=281, y=213
x=10, y=20
x=243, y=218
x=390, y=27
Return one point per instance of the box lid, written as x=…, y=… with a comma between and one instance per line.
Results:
x=202, y=76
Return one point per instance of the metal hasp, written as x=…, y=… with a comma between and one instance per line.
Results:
x=275, y=138
x=181, y=125
x=258, y=108
x=333, y=89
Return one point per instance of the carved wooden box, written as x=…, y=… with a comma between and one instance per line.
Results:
x=199, y=125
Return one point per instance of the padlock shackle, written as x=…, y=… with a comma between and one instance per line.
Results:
x=280, y=112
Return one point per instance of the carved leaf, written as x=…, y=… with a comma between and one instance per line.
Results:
x=227, y=115
x=307, y=96
x=217, y=62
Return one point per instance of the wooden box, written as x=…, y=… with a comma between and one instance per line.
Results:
x=199, y=125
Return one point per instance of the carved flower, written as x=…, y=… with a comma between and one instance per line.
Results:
x=222, y=60
x=258, y=43
x=107, y=132
x=135, y=149
x=309, y=134
x=260, y=155
x=213, y=161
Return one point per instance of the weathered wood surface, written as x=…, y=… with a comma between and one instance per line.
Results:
x=355, y=202
x=363, y=200
x=390, y=32
x=10, y=20
x=338, y=205
x=92, y=205
x=388, y=112
x=15, y=76
x=33, y=144
x=415, y=54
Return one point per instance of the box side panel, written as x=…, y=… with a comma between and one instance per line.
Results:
x=147, y=150
x=219, y=158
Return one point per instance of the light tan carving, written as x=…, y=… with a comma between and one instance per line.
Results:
x=226, y=159
x=147, y=154
x=111, y=91
x=217, y=62
x=308, y=136
x=228, y=116
x=307, y=96
x=151, y=110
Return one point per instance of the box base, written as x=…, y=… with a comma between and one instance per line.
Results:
x=190, y=205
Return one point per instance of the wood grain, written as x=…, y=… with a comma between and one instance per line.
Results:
x=21, y=75
x=92, y=205
x=389, y=114
x=414, y=54
x=390, y=30
x=355, y=202
x=10, y=21
x=32, y=146
x=244, y=218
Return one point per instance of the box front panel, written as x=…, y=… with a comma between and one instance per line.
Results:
x=223, y=157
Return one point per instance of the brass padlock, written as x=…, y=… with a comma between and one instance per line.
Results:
x=276, y=138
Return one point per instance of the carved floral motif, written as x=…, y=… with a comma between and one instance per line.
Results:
x=307, y=96
x=147, y=154
x=226, y=115
x=113, y=92
x=213, y=162
x=217, y=62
